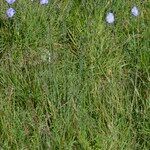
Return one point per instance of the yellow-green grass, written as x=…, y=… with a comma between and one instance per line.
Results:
x=70, y=81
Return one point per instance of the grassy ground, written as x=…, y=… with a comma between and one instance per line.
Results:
x=70, y=81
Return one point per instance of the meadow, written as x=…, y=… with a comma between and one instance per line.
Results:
x=71, y=81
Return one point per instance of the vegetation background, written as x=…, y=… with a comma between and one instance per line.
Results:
x=70, y=81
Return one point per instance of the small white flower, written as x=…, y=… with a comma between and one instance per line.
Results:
x=110, y=18
x=10, y=12
x=135, y=11
x=10, y=1
x=42, y=2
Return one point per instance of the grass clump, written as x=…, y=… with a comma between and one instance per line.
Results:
x=68, y=80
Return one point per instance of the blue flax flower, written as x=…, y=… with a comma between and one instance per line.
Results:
x=42, y=2
x=10, y=1
x=110, y=18
x=10, y=12
x=135, y=11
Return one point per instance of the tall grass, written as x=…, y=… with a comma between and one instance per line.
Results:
x=68, y=80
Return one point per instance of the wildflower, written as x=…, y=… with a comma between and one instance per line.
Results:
x=42, y=2
x=135, y=11
x=110, y=18
x=10, y=1
x=10, y=12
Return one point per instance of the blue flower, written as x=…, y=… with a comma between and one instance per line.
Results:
x=135, y=11
x=10, y=1
x=42, y=2
x=10, y=12
x=110, y=18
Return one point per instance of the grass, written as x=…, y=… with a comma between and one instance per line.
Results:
x=70, y=81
